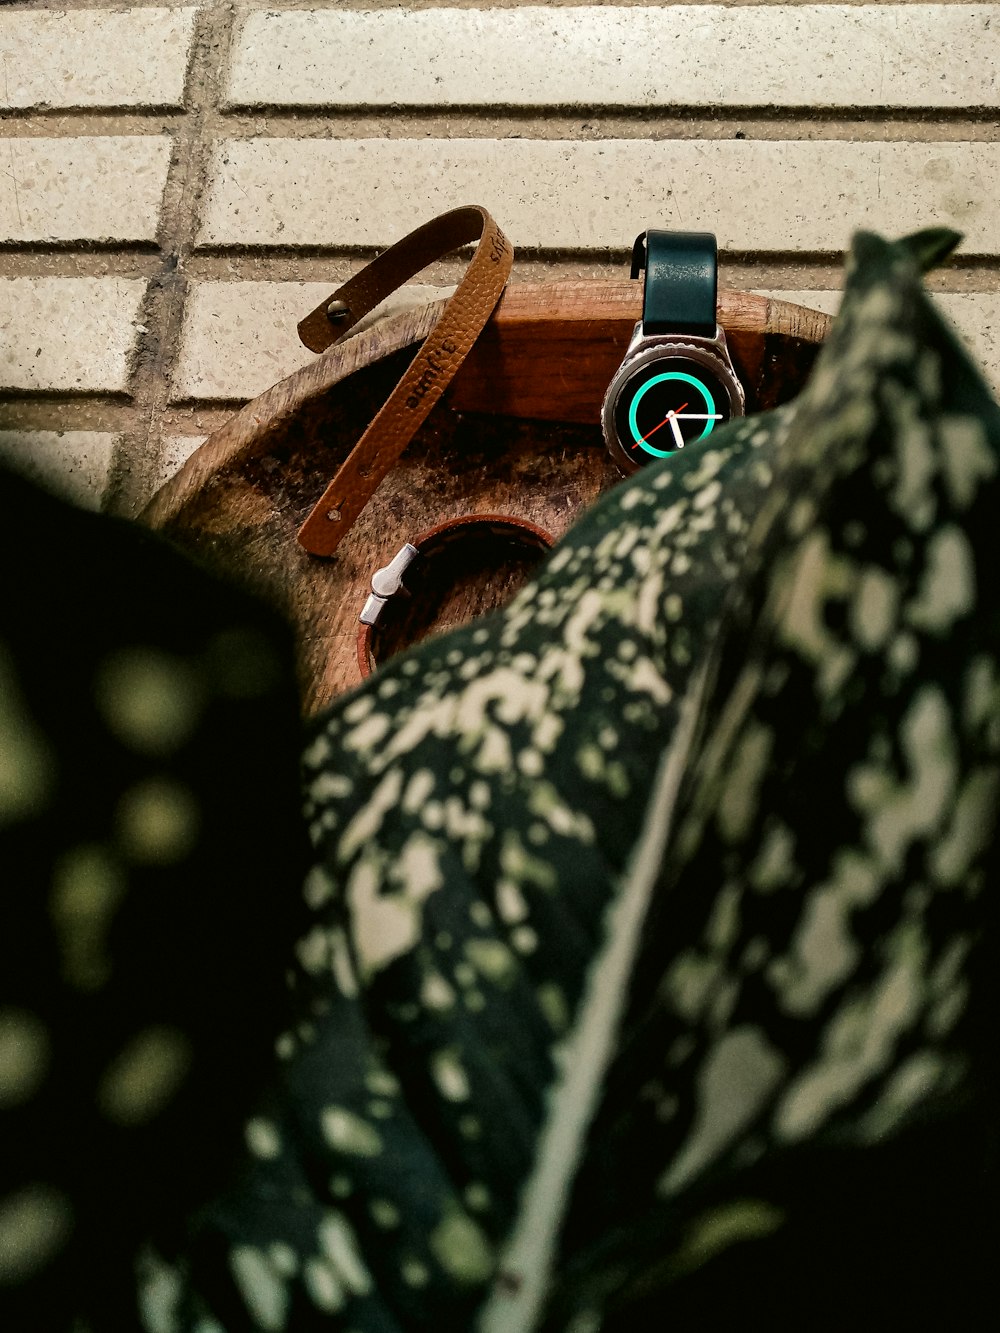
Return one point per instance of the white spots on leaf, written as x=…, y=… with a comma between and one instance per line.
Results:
x=739, y=799
x=555, y=1009
x=435, y=993
x=367, y=823
x=158, y=1292
x=913, y=495
x=384, y=1214
x=313, y=951
x=341, y=1187
x=729, y=1224
x=897, y=813
x=904, y=653
x=967, y=457
x=26, y=768
x=88, y=884
x=916, y=1079
x=737, y=1078
x=24, y=1055
x=418, y=791
x=510, y=902
x=358, y=709
x=150, y=701
x=970, y=830
x=284, y=1258
x=480, y=915
x=811, y=577
x=644, y=678
x=520, y=867
x=723, y=926
x=981, y=700
x=35, y=1224
x=368, y=735
x=342, y=964
x=860, y=1039
x=823, y=950
x=689, y=983
x=545, y=802
x=461, y=1249
x=449, y=1075
x=261, y=1287
x=492, y=959
x=144, y=1077
x=318, y=751
x=524, y=939
x=386, y=925
x=873, y=608
x=323, y=1285
x=477, y=1197
x=774, y=865
x=157, y=822
x=494, y=754
x=329, y=786
x=414, y=1273
x=348, y=1133
x=339, y=1245
x=948, y=588
x=419, y=867
x=318, y=888
x=262, y=1138
x=547, y=731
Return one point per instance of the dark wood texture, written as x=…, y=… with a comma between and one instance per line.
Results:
x=518, y=433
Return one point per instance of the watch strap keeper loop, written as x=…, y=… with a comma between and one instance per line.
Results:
x=682, y=281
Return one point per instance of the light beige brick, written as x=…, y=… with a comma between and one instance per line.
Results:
x=239, y=338
x=175, y=450
x=704, y=55
x=776, y=195
x=94, y=58
x=68, y=335
x=73, y=464
x=85, y=189
x=975, y=316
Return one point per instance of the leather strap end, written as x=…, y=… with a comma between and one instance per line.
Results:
x=329, y=521
x=323, y=326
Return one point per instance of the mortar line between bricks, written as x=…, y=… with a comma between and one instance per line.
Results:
x=138, y=453
x=596, y=123
x=293, y=5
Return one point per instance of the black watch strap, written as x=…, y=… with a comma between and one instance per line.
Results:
x=682, y=279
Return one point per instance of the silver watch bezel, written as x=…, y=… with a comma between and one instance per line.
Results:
x=712, y=353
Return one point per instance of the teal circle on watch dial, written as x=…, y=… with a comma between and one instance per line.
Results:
x=661, y=410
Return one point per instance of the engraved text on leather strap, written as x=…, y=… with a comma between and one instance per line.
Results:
x=431, y=370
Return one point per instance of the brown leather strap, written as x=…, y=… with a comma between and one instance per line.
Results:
x=431, y=370
x=431, y=542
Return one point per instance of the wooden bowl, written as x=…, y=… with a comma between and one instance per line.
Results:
x=517, y=433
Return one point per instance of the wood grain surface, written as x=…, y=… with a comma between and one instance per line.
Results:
x=518, y=433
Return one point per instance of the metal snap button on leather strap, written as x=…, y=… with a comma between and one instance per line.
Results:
x=431, y=370
x=387, y=583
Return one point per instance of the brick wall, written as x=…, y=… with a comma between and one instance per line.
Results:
x=179, y=183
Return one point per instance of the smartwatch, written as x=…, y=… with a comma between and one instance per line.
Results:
x=676, y=383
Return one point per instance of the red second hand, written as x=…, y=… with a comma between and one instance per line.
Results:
x=673, y=412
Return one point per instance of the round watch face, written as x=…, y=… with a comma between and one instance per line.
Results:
x=666, y=405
